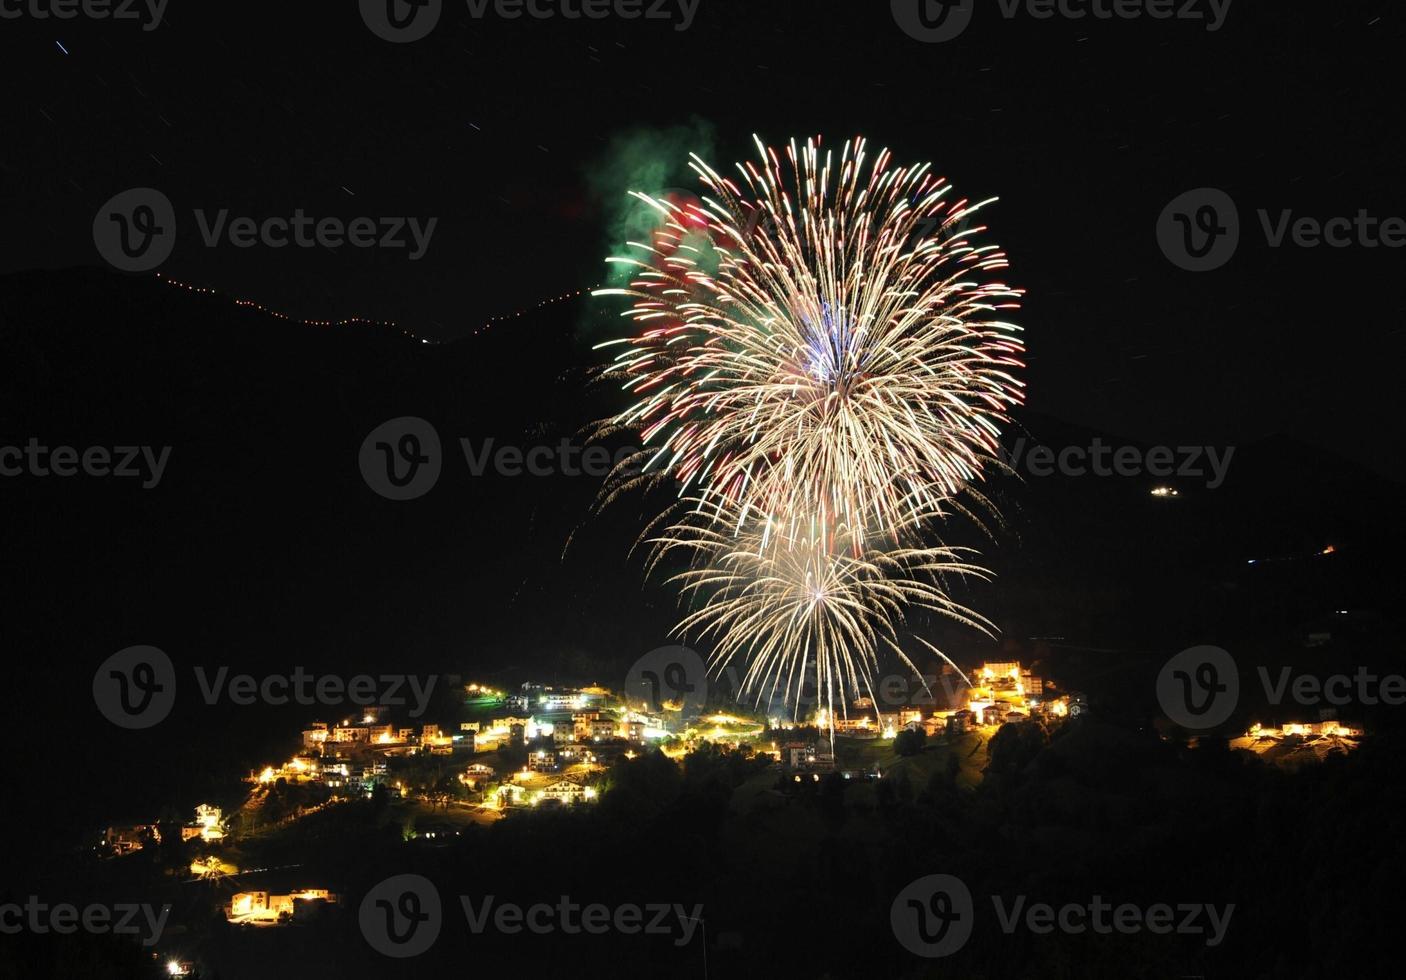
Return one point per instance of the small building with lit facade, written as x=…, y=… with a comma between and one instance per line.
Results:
x=566, y=791
x=206, y=825
x=264, y=909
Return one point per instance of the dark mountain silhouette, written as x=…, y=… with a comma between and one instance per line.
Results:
x=263, y=548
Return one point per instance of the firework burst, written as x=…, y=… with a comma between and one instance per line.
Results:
x=839, y=352
x=822, y=366
x=803, y=602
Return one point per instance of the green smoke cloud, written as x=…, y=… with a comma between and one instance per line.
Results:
x=652, y=161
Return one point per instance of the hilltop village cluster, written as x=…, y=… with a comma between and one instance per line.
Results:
x=541, y=747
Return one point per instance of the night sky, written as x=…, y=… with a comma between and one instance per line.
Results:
x=503, y=130
x=267, y=545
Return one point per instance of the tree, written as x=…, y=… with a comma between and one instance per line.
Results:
x=1013, y=747
x=832, y=799
x=952, y=768
x=910, y=741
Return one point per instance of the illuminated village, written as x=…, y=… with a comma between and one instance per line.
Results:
x=1294, y=743
x=542, y=747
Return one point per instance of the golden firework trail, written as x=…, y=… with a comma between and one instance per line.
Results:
x=797, y=603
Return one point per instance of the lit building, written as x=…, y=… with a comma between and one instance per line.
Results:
x=265, y=909
x=1000, y=692
x=127, y=840
x=857, y=725
x=595, y=727
x=476, y=775
x=316, y=736
x=1319, y=729
x=810, y=756
x=434, y=741
x=995, y=714
x=510, y=794
x=566, y=791
x=382, y=735
x=543, y=761
x=566, y=700
x=206, y=825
